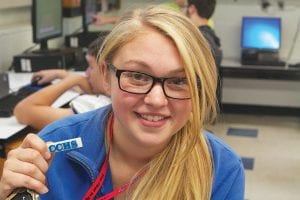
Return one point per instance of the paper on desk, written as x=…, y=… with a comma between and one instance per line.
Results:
x=17, y=80
x=10, y=126
x=65, y=98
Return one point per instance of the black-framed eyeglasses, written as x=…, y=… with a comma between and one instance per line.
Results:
x=141, y=83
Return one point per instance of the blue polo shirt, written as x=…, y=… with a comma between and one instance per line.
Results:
x=71, y=173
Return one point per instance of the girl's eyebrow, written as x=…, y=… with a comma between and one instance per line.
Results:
x=143, y=64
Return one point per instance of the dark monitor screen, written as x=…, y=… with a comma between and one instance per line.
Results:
x=262, y=33
x=89, y=8
x=46, y=20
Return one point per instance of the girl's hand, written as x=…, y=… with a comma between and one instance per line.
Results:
x=26, y=166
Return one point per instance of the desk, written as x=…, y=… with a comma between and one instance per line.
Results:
x=232, y=69
x=11, y=132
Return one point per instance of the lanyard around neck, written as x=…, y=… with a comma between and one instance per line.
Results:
x=93, y=190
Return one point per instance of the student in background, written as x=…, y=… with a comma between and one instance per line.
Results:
x=101, y=20
x=36, y=109
x=181, y=5
x=151, y=141
x=200, y=11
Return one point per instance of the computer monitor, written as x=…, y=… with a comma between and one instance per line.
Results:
x=46, y=18
x=88, y=8
x=85, y=38
x=261, y=33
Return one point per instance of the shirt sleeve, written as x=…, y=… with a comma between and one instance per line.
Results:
x=229, y=176
x=85, y=103
x=237, y=189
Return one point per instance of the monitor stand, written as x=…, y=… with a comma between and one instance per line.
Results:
x=45, y=50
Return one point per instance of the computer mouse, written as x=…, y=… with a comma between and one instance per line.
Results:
x=35, y=82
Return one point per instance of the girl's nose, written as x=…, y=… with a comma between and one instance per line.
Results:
x=156, y=97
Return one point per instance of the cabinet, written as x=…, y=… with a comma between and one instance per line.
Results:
x=282, y=84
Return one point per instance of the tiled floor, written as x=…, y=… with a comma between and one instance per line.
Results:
x=274, y=153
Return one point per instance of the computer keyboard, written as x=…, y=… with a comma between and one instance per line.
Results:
x=8, y=102
x=296, y=65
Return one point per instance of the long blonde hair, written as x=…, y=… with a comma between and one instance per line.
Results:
x=183, y=170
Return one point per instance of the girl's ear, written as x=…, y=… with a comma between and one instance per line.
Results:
x=106, y=78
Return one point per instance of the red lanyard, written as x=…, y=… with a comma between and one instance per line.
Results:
x=91, y=193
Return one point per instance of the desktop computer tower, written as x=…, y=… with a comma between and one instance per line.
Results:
x=59, y=59
x=260, y=57
x=84, y=39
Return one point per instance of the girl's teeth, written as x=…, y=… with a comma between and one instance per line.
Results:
x=152, y=117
